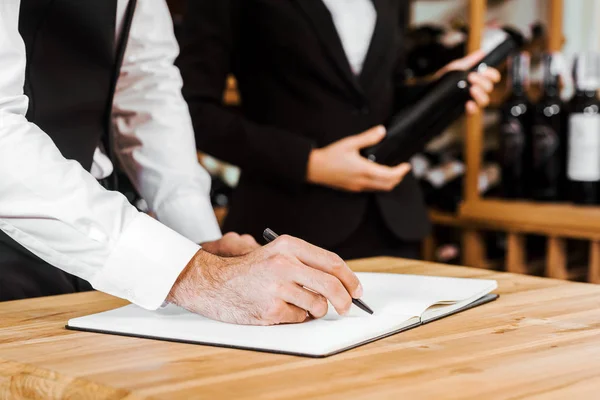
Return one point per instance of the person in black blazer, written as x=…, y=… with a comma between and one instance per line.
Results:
x=297, y=138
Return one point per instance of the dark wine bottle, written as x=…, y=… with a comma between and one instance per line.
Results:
x=515, y=128
x=437, y=179
x=548, y=149
x=412, y=128
x=447, y=194
x=220, y=192
x=583, y=159
x=421, y=163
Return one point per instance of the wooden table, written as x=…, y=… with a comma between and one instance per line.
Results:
x=541, y=339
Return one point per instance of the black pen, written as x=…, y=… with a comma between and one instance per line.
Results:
x=269, y=236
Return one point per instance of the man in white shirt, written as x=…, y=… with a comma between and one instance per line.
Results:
x=55, y=209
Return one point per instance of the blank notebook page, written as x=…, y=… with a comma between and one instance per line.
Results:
x=398, y=302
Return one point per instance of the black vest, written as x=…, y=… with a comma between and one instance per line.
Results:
x=72, y=68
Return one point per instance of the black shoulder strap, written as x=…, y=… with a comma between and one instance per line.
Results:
x=112, y=181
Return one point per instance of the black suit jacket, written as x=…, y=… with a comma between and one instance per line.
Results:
x=298, y=93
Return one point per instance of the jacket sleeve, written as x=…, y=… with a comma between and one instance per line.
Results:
x=210, y=39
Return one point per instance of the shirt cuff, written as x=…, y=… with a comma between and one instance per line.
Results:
x=145, y=263
x=191, y=216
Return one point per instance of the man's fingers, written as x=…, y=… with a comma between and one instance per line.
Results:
x=481, y=81
x=249, y=242
x=320, y=259
x=293, y=315
x=366, y=139
x=328, y=286
x=281, y=312
x=312, y=302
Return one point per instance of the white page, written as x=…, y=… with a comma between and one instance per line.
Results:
x=398, y=301
x=315, y=337
x=413, y=294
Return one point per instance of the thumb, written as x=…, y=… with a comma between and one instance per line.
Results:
x=367, y=138
x=466, y=62
x=472, y=59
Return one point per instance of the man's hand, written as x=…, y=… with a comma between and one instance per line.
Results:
x=482, y=83
x=341, y=166
x=282, y=282
x=231, y=245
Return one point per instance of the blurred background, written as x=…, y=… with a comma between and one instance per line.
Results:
x=498, y=201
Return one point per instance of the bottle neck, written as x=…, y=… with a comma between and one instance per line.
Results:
x=520, y=74
x=551, y=64
x=551, y=89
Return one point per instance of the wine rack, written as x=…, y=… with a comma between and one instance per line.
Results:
x=557, y=222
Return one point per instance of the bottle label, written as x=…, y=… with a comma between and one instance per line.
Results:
x=583, y=163
x=446, y=172
x=545, y=144
x=420, y=165
x=491, y=39
x=513, y=142
x=453, y=38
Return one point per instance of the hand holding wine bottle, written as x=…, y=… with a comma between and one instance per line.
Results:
x=414, y=126
x=482, y=82
x=341, y=166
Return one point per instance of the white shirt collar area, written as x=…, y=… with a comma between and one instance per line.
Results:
x=355, y=23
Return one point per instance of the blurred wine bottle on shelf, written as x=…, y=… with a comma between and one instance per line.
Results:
x=515, y=128
x=224, y=179
x=583, y=159
x=548, y=150
x=425, y=50
x=447, y=245
x=220, y=193
x=426, y=162
x=443, y=184
x=421, y=163
x=438, y=178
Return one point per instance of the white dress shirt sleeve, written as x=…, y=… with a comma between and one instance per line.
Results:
x=58, y=211
x=154, y=138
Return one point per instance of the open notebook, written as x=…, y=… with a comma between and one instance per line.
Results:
x=400, y=302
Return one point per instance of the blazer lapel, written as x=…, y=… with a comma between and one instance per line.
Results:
x=381, y=41
x=320, y=17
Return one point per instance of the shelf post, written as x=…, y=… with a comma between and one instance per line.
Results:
x=473, y=139
x=473, y=249
x=516, y=253
x=473, y=244
x=556, y=258
x=594, y=267
x=555, y=33
x=428, y=248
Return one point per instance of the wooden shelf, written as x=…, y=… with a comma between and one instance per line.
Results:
x=220, y=213
x=445, y=218
x=559, y=220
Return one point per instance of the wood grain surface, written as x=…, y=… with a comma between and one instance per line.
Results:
x=541, y=339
